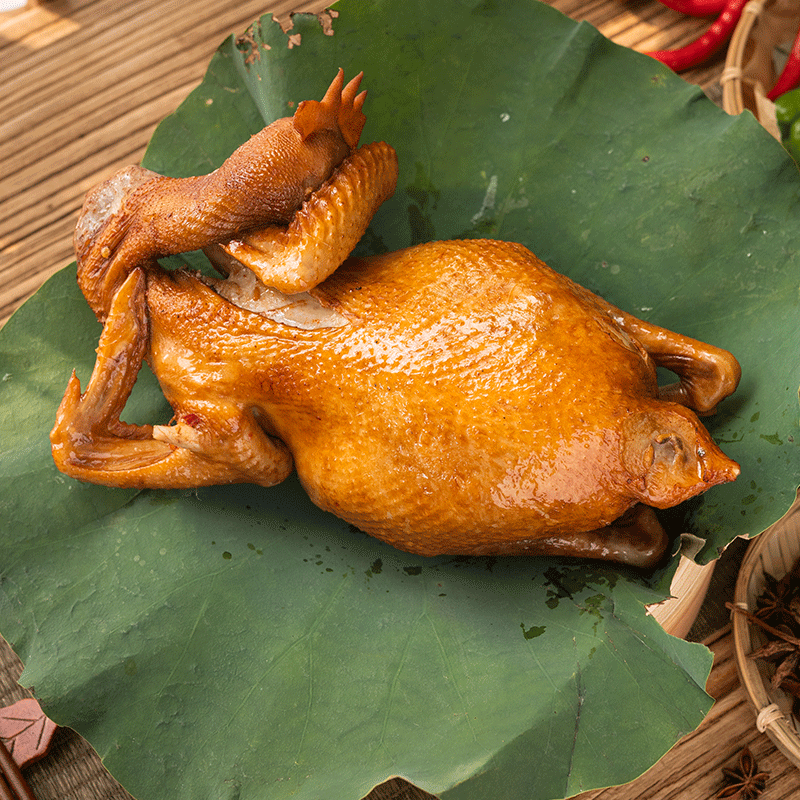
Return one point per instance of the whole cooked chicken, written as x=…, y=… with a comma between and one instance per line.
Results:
x=455, y=397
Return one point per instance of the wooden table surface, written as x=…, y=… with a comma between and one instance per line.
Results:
x=84, y=83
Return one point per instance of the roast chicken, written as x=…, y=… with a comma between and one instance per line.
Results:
x=457, y=397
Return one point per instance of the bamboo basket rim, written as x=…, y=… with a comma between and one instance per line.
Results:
x=731, y=78
x=777, y=15
x=774, y=551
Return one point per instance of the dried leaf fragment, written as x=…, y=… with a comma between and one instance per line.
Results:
x=26, y=731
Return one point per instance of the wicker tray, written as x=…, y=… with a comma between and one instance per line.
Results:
x=766, y=26
x=774, y=552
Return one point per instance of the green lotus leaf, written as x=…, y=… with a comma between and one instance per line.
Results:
x=237, y=642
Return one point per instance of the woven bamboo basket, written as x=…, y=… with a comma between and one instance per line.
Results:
x=766, y=28
x=773, y=552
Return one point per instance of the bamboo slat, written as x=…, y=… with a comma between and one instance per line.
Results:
x=85, y=83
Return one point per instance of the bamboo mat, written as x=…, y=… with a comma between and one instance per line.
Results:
x=84, y=83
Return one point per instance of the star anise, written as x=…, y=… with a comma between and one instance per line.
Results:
x=783, y=647
x=772, y=605
x=777, y=613
x=744, y=781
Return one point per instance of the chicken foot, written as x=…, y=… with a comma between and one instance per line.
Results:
x=89, y=441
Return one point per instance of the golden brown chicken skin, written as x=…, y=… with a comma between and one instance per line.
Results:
x=456, y=397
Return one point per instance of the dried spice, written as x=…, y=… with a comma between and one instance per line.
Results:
x=777, y=613
x=780, y=600
x=744, y=781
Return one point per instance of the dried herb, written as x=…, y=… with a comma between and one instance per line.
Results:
x=777, y=613
x=771, y=605
x=744, y=781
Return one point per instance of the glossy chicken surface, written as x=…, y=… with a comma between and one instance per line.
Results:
x=456, y=397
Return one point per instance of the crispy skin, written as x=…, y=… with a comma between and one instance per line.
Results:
x=457, y=397
x=441, y=408
x=436, y=419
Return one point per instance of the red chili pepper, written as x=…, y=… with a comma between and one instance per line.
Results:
x=696, y=8
x=790, y=76
x=703, y=48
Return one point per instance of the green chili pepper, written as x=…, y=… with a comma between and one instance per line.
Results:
x=787, y=112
